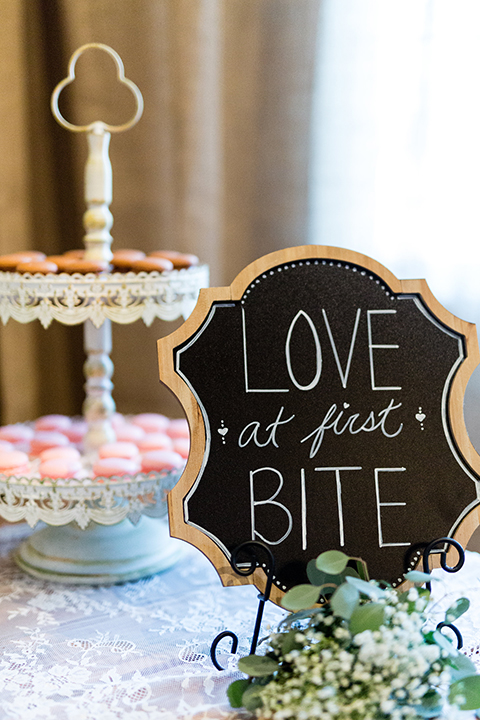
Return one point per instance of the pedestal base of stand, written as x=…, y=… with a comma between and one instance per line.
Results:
x=100, y=554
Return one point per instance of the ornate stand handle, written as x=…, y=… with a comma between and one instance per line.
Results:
x=445, y=541
x=250, y=549
x=98, y=220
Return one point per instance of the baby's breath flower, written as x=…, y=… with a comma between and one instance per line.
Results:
x=379, y=674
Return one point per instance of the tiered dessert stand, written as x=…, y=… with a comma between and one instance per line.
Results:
x=114, y=530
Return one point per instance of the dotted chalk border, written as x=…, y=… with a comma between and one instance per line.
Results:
x=331, y=263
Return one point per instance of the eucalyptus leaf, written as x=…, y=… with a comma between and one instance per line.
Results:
x=257, y=665
x=468, y=688
x=368, y=589
x=350, y=572
x=235, y=692
x=301, y=597
x=367, y=617
x=316, y=576
x=251, y=698
x=444, y=642
x=344, y=601
x=416, y=576
x=289, y=642
x=461, y=666
x=319, y=577
x=457, y=609
x=332, y=562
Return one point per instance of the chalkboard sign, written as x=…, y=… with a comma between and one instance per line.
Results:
x=325, y=401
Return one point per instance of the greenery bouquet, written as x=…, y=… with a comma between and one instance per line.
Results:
x=363, y=654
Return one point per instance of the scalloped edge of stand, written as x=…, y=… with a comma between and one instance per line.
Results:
x=143, y=296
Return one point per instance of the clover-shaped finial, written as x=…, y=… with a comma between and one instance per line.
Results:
x=121, y=78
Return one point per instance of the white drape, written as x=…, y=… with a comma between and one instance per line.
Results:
x=396, y=143
x=395, y=168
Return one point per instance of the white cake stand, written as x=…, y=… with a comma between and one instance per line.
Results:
x=116, y=529
x=95, y=532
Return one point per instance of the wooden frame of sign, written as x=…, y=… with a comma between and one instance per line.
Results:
x=325, y=402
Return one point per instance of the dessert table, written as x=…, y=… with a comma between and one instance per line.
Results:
x=141, y=649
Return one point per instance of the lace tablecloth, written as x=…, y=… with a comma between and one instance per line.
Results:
x=141, y=650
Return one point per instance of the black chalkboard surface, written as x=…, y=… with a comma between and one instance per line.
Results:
x=325, y=400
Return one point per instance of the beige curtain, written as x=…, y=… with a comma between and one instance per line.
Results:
x=218, y=165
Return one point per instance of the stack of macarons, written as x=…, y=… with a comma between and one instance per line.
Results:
x=37, y=262
x=148, y=440
x=50, y=448
x=157, y=261
x=73, y=261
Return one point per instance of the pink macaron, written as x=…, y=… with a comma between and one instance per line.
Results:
x=117, y=420
x=178, y=428
x=16, y=434
x=129, y=433
x=181, y=446
x=59, y=468
x=76, y=431
x=46, y=439
x=66, y=452
x=14, y=462
x=151, y=422
x=154, y=441
x=158, y=460
x=127, y=450
x=114, y=467
x=52, y=422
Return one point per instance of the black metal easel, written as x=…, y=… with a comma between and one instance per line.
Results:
x=251, y=549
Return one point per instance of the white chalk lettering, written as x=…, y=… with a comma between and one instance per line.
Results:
x=318, y=352
x=269, y=501
x=343, y=371
x=250, y=431
x=373, y=346
x=338, y=482
x=280, y=518
x=248, y=389
x=343, y=375
x=373, y=422
x=381, y=542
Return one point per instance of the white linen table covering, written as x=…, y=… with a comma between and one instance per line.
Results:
x=142, y=649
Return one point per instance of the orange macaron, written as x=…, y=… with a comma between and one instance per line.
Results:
x=10, y=261
x=179, y=260
x=78, y=253
x=37, y=266
x=152, y=264
x=123, y=259
x=87, y=266
x=63, y=262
